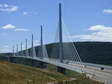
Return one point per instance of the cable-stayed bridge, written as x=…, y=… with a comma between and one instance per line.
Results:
x=63, y=55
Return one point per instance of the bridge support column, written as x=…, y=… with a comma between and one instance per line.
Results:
x=43, y=65
x=11, y=59
x=61, y=70
x=32, y=62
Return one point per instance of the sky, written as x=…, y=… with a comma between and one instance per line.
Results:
x=86, y=20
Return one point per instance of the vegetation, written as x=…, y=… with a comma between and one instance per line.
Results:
x=5, y=54
x=92, y=52
x=20, y=74
x=95, y=52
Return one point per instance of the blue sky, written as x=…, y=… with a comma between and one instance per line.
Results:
x=86, y=20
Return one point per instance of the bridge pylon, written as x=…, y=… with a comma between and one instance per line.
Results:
x=17, y=53
x=33, y=53
x=41, y=41
x=26, y=51
x=21, y=52
x=13, y=50
x=61, y=54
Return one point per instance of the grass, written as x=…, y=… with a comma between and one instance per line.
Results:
x=20, y=74
x=108, y=64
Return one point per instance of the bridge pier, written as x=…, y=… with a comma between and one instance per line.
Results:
x=42, y=65
x=61, y=70
x=11, y=59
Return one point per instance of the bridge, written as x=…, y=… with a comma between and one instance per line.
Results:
x=63, y=56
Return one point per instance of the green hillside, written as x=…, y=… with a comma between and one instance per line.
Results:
x=20, y=74
x=93, y=52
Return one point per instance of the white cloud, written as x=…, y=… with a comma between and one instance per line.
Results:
x=99, y=28
x=21, y=30
x=109, y=11
x=8, y=8
x=29, y=13
x=9, y=26
x=103, y=33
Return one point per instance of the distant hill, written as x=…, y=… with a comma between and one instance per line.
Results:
x=93, y=52
x=5, y=54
